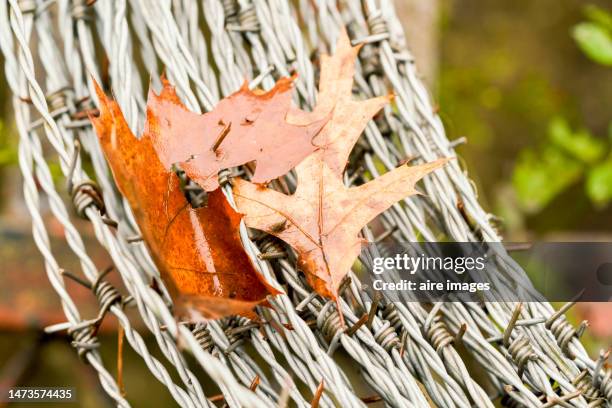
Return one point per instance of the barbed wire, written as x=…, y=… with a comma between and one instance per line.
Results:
x=406, y=352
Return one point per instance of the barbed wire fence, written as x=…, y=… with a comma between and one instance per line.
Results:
x=405, y=352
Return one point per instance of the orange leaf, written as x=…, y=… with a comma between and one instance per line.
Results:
x=246, y=126
x=323, y=218
x=197, y=250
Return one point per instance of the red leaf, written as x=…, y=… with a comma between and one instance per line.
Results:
x=246, y=126
x=197, y=250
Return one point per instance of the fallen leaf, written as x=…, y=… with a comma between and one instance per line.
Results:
x=197, y=250
x=323, y=218
x=247, y=126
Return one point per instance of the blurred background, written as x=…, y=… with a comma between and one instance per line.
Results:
x=527, y=83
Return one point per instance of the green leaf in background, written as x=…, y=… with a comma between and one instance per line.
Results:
x=595, y=41
x=537, y=180
x=599, y=16
x=599, y=183
x=581, y=144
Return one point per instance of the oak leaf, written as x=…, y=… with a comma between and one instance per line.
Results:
x=197, y=250
x=322, y=219
x=247, y=126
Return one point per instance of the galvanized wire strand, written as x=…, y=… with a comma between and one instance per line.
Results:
x=172, y=50
x=39, y=231
x=189, y=13
x=35, y=91
x=74, y=241
x=168, y=347
x=90, y=271
x=268, y=39
x=323, y=25
x=297, y=53
x=222, y=49
x=144, y=47
x=240, y=361
x=353, y=348
x=330, y=382
x=429, y=111
x=262, y=38
x=76, y=71
x=190, y=381
x=236, y=84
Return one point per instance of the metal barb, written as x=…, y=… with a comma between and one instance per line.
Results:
x=435, y=330
x=511, y=324
x=562, y=401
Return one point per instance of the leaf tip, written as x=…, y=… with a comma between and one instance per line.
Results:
x=102, y=98
x=431, y=166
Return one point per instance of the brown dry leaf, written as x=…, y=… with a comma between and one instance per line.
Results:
x=246, y=126
x=323, y=218
x=197, y=250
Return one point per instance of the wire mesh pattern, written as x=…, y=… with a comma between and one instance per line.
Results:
x=406, y=353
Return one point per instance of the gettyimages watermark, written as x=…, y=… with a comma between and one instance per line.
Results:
x=434, y=271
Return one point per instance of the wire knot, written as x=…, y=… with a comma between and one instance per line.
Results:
x=84, y=340
x=247, y=17
x=242, y=19
x=387, y=337
x=85, y=194
x=80, y=10
x=58, y=100
x=521, y=351
x=328, y=322
x=377, y=24
x=584, y=383
x=391, y=314
x=230, y=11
x=225, y=177
x=27, y=6
x=237, y=330
x=202, y=335
x=271, y=247
x=438, y=334
x=106, y=294
x=82, y=107
x=564, y=332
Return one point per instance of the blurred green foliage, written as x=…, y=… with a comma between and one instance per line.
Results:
x=567, y=157
x=8, y=156
x=8, y=147
x=571, y=155
x=595, y=41
x=594, y=37
x=534, y=109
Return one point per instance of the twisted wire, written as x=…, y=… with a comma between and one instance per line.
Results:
x=248, y=38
